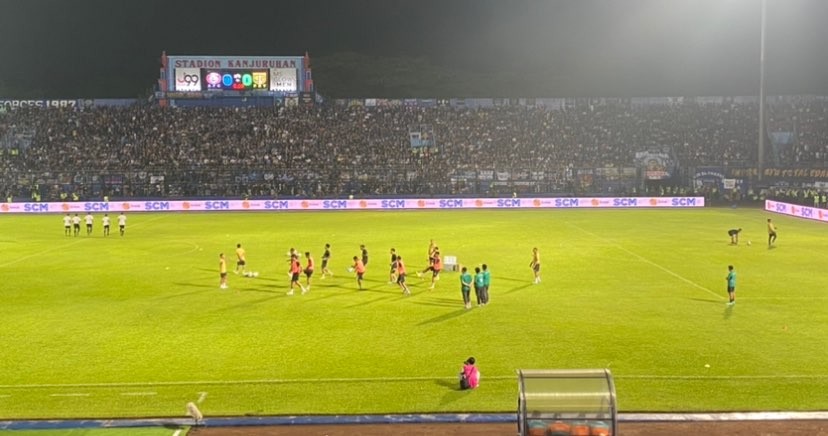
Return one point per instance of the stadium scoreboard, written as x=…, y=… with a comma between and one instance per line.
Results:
x=205, y=76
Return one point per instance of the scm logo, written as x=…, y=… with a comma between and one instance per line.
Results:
x=566, y=202
x=684, y=201
x=624, y=202
x=276, y=204
x=508, y=202
x=95, y=206
x=450, y=203
x=217, y=205
x=392, y=204
x=35, y=207
x=157, y=205
x=334, y=204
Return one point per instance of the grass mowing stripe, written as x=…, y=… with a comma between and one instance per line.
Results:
x=382, y=380
x=647, y=261
x=40, y=253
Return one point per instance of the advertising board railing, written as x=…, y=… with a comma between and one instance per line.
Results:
x=811, y=213
x=356, y=204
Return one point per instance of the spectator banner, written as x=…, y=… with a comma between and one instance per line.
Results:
x=366, y=204
x=798, y=211
x=657, y=164
x=14, y=104
x=781, y=173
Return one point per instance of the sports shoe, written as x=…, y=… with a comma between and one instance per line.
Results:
x=291, y=292
x=305, y=290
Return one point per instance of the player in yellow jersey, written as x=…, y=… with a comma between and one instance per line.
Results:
x=242, y=259
x=771, y=233
x=535, y=265
x=222, y=271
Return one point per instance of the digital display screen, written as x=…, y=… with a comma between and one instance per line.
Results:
x=283, y=79
x=235, y=80
x=187, y=79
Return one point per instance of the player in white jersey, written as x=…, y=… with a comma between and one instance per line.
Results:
x=67, y=225
x=89, y=220
x=122, y=223
x=76, y=224
x=105, y=222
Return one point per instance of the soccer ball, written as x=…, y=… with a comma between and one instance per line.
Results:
x=350, y=269
x=256, y=274
x=748, y=243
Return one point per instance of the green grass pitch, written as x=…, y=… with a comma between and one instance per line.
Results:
x=137, y=326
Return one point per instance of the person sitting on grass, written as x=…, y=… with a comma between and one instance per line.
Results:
x=470, y=375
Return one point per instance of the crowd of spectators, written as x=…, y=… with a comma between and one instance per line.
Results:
x=333, y=150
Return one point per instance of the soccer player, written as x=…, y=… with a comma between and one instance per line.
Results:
x=436, y=267
x=487, y=280
x=400, y=275
x=105, y=221
x=222, y=271
x=89, y=220
x=731, y=285
x=67, y=225
x=308, y=271
x=478, y=286
x=392, y=277
x=241, y=261
x=431, y=250
x=76, y=224
x=771, y=232
x=295, y=270
x=364, y=255
x=359, y=268
x=734, y=236
x=465, y=286
x=535, y=265
x=121, y=223
x=326, y=256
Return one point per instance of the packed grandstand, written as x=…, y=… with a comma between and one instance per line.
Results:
x=341, y=148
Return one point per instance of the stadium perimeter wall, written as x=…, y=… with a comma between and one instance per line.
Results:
x=360, y=204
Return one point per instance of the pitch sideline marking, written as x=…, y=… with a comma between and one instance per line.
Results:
x=393, y=379
x=139, y=394
x=648, y=261
x=201, y=397
x=176, y=433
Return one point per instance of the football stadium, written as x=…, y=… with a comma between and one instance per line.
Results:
x=239, y=254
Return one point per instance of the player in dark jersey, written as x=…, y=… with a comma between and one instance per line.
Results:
x=326, y=256
x=392, y=277
x=364, y=255
x=734, y=236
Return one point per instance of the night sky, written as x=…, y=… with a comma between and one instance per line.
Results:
x=110, y=48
